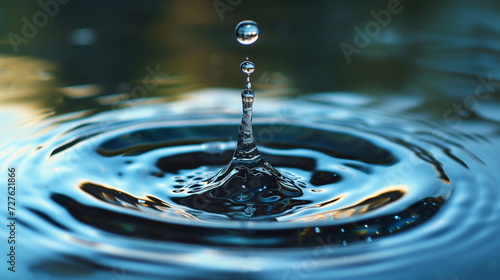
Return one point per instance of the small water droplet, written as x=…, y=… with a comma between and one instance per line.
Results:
x=247, y=67
x=247, y=32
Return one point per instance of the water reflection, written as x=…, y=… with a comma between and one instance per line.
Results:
x=436, y=50
x=434, y=61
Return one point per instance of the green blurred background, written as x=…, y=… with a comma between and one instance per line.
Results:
x=66, y=54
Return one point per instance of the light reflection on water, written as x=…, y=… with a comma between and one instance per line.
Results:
x=429, y=81
x=95, y=187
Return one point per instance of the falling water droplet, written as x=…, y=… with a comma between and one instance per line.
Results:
x=247, y=67
x=247, y=32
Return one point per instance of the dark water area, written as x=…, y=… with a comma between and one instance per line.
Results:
x=376, y=133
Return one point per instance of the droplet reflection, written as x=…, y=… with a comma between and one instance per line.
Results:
x=247, y=32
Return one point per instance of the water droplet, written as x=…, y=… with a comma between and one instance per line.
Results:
x=247, y=67
x=247, y=32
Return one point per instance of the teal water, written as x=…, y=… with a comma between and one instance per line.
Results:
x=114, y=192
x=117, y=118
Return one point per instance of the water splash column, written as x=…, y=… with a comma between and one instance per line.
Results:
x=246, y=150
x=247, y=33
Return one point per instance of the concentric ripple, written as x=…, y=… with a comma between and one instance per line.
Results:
x=121, y=189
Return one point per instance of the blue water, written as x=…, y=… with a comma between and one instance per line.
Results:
x=112, y=195
x=120, y=122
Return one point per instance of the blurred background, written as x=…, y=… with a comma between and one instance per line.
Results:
x=69, y=55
